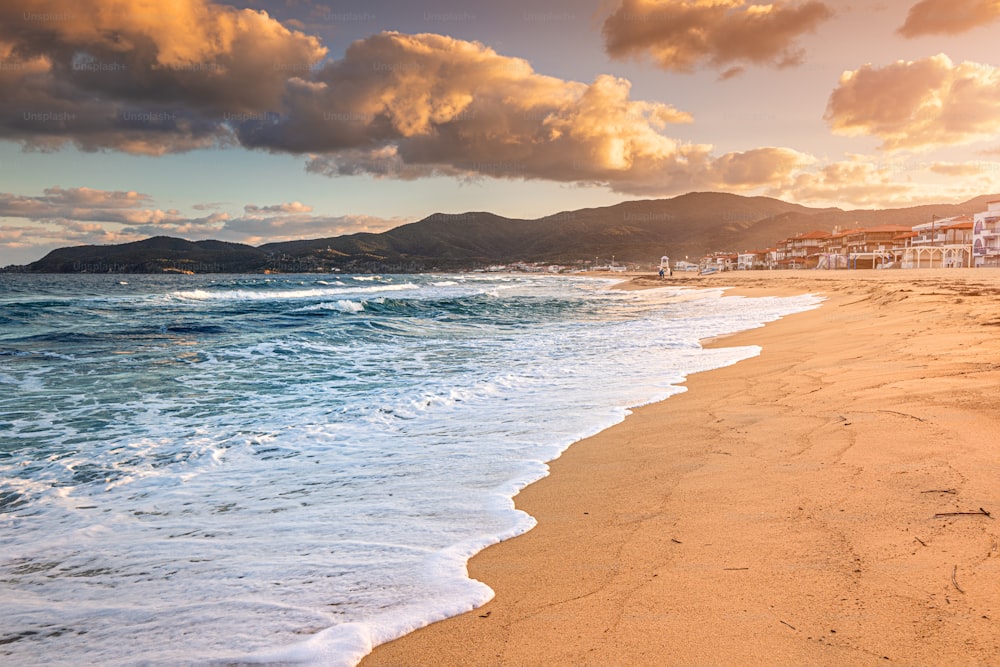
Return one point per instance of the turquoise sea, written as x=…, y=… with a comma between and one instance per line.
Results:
x=290, y=469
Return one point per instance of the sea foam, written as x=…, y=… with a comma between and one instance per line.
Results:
x=281, y=470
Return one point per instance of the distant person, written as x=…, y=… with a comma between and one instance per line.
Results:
x=661, y=273
x=670, y=272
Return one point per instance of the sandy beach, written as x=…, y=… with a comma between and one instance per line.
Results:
x=831, y=501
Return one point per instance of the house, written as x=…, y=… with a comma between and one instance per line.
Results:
x=782, y=256
x=719, y=261
x=833, y=252
x=871, y=247
x=751, y=260
x=986, y=236
x=805, y=249
x=942, y=242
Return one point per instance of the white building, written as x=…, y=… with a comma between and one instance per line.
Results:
x=941, y=243
x=986, y=236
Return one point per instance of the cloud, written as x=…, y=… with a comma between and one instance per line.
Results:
x=411, y=106
x=861, y=180
x=271, y=229
x=414, y=106
x=83, y=204
x=967, y=169
x=132, y=77
x=140, y=76
x=948, y=17
x=85, y=216
x=759, y=167
x=681, y=35
x=869, y=182
x=292, y=207
x=919, y=104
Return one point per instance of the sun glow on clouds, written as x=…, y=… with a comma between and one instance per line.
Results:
x=919, y=104
x=949, y=17
x=681, y=35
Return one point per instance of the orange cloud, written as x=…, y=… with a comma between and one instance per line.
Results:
x=411, y=106
x=680, y=35
x=758, y=167
x=860, y=180
x=948, y=17
x=869, y=182
x=918, y=104
x=131, y=76
x=139, y=75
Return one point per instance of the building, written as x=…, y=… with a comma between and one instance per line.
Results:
x=719, y=261
x=752, y=260
x=940, y=243
x=805, y=249
x=870, y=247
x=986, y=236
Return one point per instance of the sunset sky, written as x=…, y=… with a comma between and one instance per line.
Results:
x=278, y=119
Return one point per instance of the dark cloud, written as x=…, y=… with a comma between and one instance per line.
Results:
x=140, y=77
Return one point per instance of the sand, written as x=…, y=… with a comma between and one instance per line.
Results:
x=793, y=509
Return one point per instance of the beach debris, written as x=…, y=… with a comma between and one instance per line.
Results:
x=486, y=615
x=675, y=540
x=951, y=491
x=903, y=414
x=981, y=512
x=921, y=541
x=733, y=569
x=954, y=580
x=788, y=624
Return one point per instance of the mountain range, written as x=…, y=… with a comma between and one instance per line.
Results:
x=632, y=232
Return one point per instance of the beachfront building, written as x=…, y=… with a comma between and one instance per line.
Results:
x=833, y=252
x=718, y=261
x=871, y=247
x=805, y=249
x=986, y=236
x=751, y=260
x=940, y=243
x=781, y=257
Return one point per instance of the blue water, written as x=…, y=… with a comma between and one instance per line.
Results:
x=199, y=469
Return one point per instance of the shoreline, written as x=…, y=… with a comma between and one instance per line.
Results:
x=781, y=511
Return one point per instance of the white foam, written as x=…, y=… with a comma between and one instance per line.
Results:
x=317, y=489
x=342, y=305
x=276, y=295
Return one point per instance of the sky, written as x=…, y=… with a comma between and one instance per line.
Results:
x=271, y=120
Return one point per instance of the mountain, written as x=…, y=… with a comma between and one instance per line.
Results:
x=160, y=254
x=634, y=231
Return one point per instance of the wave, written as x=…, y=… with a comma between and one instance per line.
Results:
x=248, y=295
x=342, y=306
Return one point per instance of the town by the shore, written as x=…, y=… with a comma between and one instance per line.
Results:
x=830, y=501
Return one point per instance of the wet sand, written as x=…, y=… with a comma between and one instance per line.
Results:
x=822, y=503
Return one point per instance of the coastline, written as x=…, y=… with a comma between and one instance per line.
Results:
x=782, y=511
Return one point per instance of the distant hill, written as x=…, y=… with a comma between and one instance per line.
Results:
x=634, y=231
x=160, y=254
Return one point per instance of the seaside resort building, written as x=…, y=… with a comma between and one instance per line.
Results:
x=955, y=242
x=986, y=236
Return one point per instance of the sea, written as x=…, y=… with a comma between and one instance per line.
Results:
x=290, y=469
